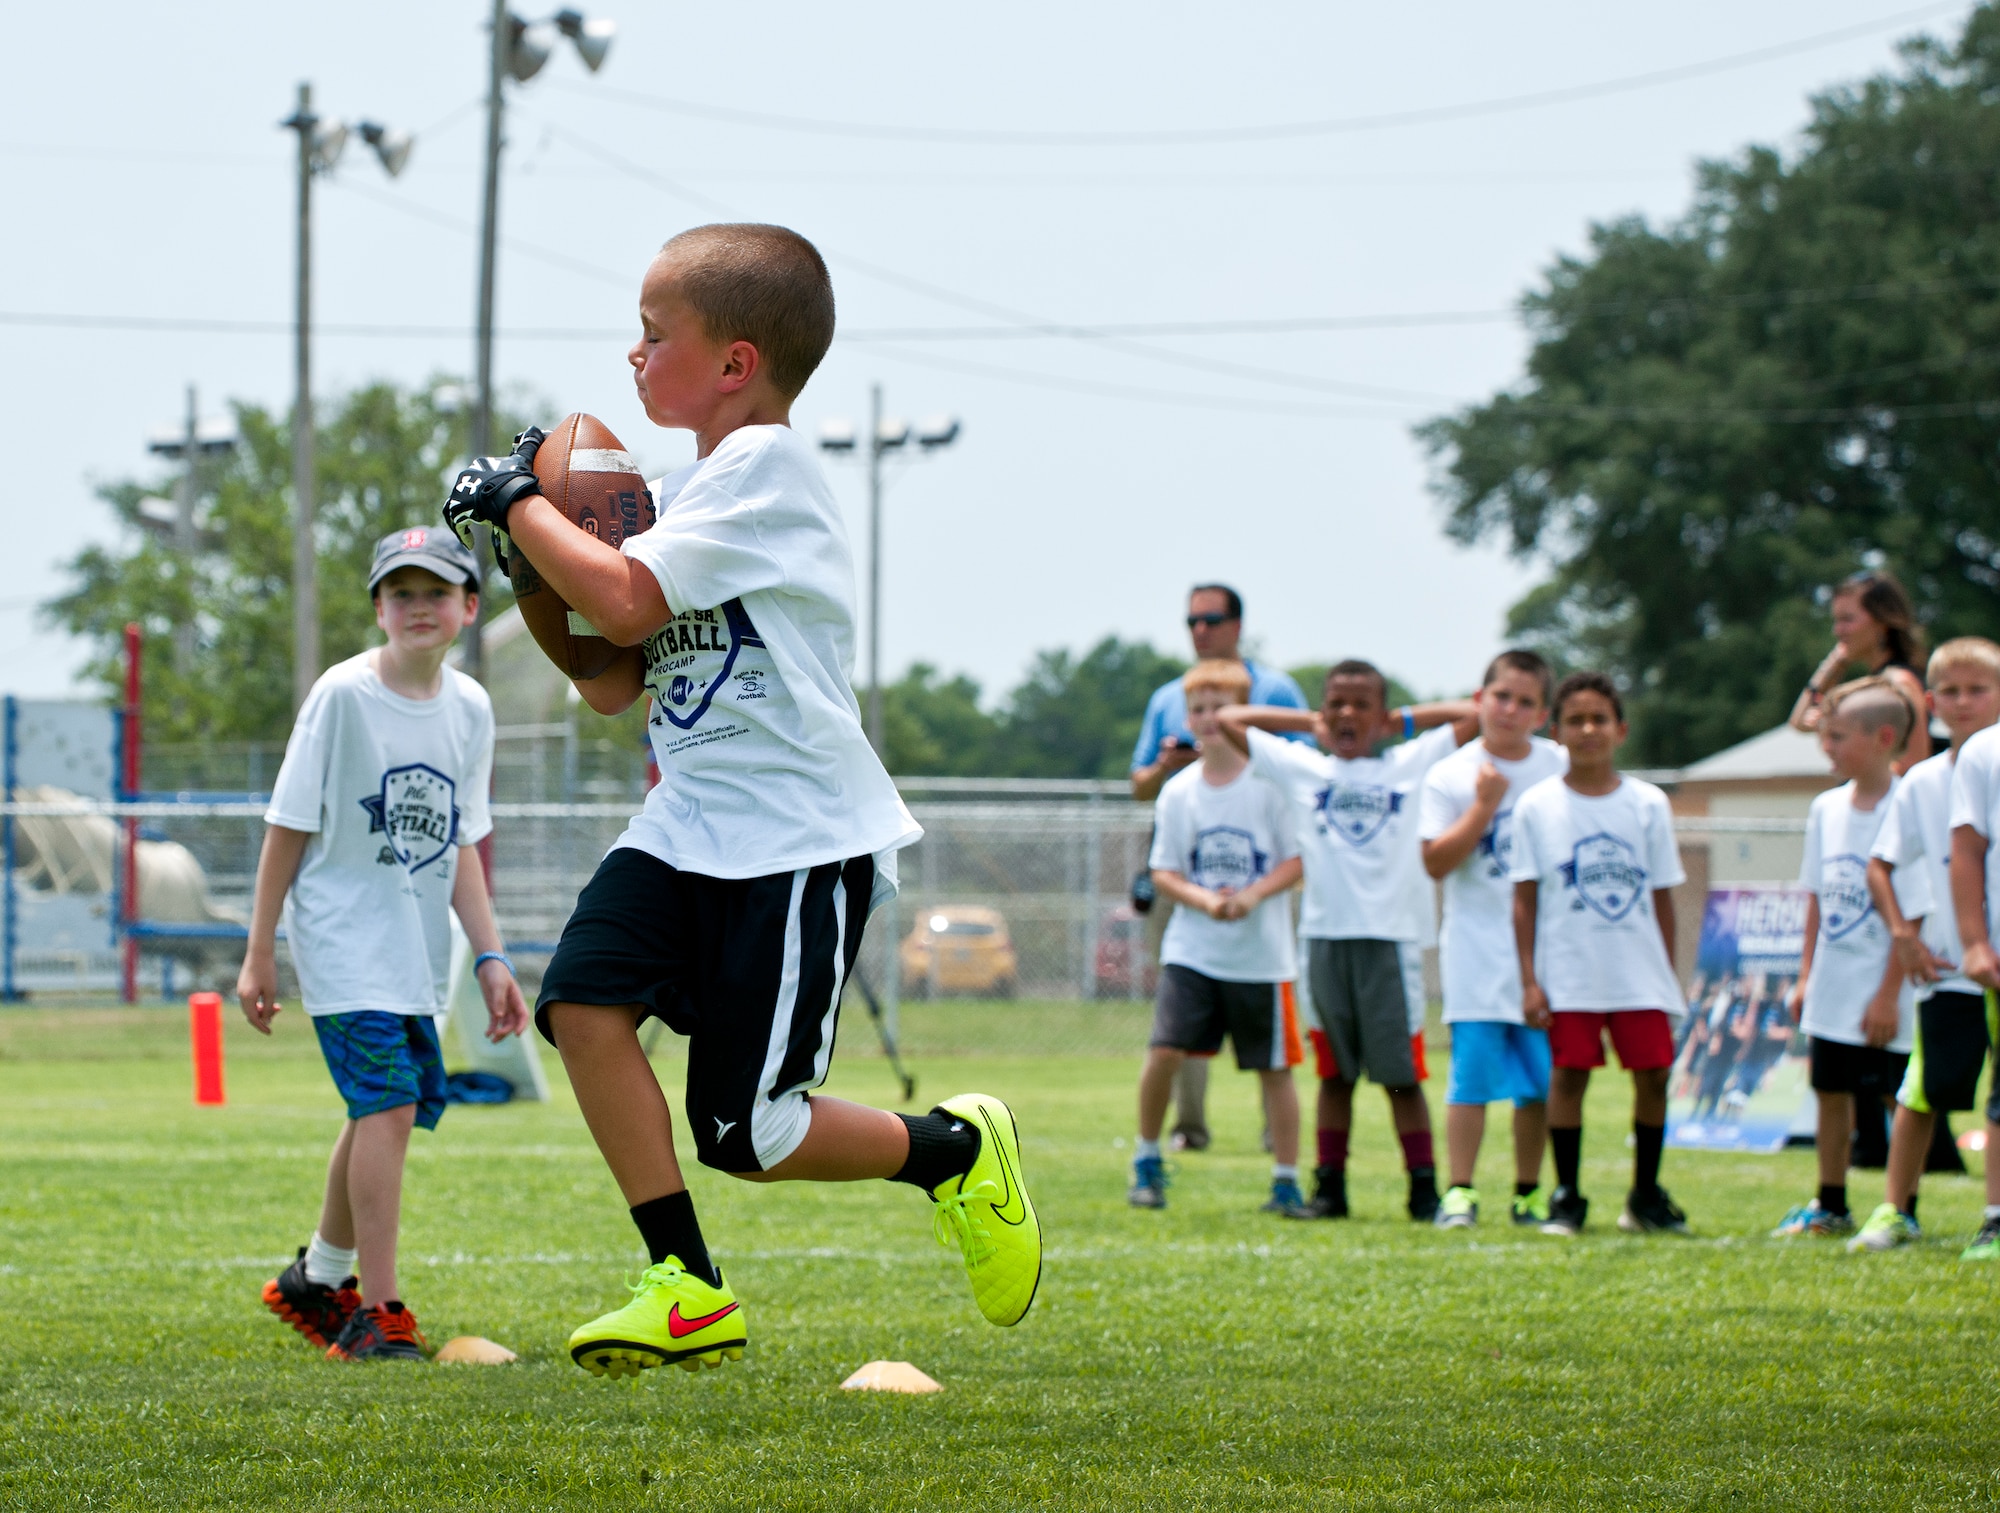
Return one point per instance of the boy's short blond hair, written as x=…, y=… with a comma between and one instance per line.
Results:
x=766, y=285
x=1964, y=651
x=1224, y=673
x=1872, y=703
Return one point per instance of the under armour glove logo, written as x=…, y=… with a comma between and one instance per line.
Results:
x=485, y=490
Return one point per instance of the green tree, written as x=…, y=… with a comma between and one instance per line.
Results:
x=1724, y=415
x=934, y=727
x=1079, y=716
x=382, y=452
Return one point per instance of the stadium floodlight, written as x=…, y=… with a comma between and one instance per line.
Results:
x=591, y=35
x=328, y=143
x=885, y=434
x=391, y=146
x=528, y=47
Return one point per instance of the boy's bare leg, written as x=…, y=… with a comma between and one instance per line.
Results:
x=375, y=1196
x=1567, y=1085
x=1464, y=1128
x=1156, y=1090
x=619, y=1096
x=846, y=1142
x=1410, y=1110
x=1991, y=1158
x=1281, y=1107
x=1909, y=1143
x=1531, y=1138
x=1649, y=1096
x=336, y=1216
x=1833, y=1137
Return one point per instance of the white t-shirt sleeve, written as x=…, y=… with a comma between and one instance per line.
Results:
x=298, y=796
x=475, y=810
x=1438, y=806
x=1285, y=763
x=1815, y=848
x=1527, y=865
x=1172, y=823
x=1914, y=894
x=1665, y=862
x=1972, y=786
x=715, y=541
x=1901, y=838
x=1284, y=833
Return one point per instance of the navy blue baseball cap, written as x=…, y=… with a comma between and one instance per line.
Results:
x=426, y=546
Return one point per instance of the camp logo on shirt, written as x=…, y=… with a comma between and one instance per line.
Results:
x=1606, y=875
x=1844, y=904
x=414, y=808
x=1225, y=857
x=1356, y=812
x=690, y=659
x=1496, y=846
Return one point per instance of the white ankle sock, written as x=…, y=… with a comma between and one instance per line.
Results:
x=1993, y=1211
x=1146, y=1148
x=1284, y=1173
x=326, y=1264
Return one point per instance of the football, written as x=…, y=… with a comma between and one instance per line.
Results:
x=587, y=474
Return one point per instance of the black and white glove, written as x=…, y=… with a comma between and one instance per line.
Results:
x=488, y=487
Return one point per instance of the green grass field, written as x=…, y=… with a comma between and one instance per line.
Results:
x=1204, y=1357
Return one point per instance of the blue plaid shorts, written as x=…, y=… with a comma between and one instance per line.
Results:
x=382, y=1061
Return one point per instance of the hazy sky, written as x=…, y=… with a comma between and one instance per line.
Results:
x=1096, y=478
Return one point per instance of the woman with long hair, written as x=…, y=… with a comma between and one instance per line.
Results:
x=1874, y=627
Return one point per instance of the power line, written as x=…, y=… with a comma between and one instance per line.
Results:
x=1332, y=126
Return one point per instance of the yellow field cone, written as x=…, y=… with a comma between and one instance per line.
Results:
x=890, y=1376
x=472, y=1350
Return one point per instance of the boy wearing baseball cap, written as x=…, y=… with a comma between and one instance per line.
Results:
x=371, y=834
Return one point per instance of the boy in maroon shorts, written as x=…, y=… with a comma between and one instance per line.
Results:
x=1594, y=860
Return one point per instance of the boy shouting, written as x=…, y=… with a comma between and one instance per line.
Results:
x=371, y=834
x=1223, y=851
x=1594, y=866
x=732, y=907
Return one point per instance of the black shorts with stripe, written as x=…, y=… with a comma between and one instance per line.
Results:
x=749, y=969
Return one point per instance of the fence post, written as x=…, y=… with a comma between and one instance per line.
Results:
x=127, y=787
x=9, y=987
x=1093, y=888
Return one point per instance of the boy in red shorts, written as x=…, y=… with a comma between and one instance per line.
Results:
x=1594, y=863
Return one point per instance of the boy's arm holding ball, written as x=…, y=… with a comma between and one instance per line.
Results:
x=257, y=982
x=506, y=1009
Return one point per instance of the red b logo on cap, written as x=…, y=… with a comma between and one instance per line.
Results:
x=413, y=540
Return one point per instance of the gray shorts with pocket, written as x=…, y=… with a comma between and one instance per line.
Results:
x=1363, y=1009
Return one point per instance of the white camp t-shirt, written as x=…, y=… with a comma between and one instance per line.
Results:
x=1975, y=801
x=763, y=763
x=1226, y=835
x=1476, y=955
x=1598, y=861
x=1356, y=824
x=389, y=788
x=1916, y=836
x=1852, y=949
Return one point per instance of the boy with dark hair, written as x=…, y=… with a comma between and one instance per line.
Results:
x=371, y=836
x=1953, y=1034
x=1223, y=852
x=732, y=907
x=1594, y=868
x=1850, y=998
x=1466, y=824
x=1367, y=902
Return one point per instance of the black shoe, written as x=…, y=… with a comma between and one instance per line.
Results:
x=1652, y=1213
x=1424, y=1194
x=387, y=1333
x=317, y=1311
x=1329, y=1199
x=1567, y=1211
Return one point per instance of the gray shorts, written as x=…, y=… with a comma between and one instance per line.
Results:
x=1193, y=1011
x=1363, y=1007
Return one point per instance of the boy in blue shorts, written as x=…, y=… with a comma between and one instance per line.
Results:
x=733, y=905
x=1466, y=824
x=371, y=836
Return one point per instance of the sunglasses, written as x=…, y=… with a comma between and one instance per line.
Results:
x=1208, y=620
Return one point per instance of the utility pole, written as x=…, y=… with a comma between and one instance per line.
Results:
x=305, y=567
x=875, y=450
x=489, y=233
x=185, y=498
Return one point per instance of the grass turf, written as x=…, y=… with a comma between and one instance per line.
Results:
x=1204, y=1357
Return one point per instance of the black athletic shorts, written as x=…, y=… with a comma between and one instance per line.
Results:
x=749, y=969
x=1954, y=1033
x=1193, y=1011
x=1866, y=1071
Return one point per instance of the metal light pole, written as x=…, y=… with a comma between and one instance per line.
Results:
x=188, y=444
x=518, y=48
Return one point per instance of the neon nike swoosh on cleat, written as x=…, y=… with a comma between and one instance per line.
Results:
x=680, y=1328
x=1012, y=1197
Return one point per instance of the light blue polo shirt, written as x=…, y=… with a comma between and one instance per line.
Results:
x=1166, y=711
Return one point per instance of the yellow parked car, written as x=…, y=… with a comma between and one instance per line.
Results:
x=960, y=950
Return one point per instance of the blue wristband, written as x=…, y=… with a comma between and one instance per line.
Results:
x=485, y=956
x=1409, y=723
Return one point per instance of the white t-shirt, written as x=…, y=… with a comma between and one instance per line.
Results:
x=1226, y=836
x=1852, y=949
x=1975, y=801
x=1476, y=956
x=1916, y=836
x=1599, y=860
x=1356, y=823
x=389, y=788
x=764, y=766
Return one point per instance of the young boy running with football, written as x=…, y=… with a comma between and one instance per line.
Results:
x=1851, y=998
x=1466, y=824
x=1223, y=852
x=371, y=836
x=1367, y=902
x=1952, y=1038
x=1594, y=866
x=732, y=907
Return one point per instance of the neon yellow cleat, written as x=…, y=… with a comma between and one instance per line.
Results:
x=987, y=1211
x=673, y=1318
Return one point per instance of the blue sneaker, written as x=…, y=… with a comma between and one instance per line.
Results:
x=1149, y=1183
x=1285, y=1199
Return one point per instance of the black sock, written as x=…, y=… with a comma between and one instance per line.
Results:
x=1833, y=1197
x=942, y=1146
x=1647, y=1142
x=1566, y=1145
x=1910, y=1207
x=1522, y=1189
x=668, y=1227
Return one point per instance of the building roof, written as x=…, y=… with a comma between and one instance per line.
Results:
x=1780, y=753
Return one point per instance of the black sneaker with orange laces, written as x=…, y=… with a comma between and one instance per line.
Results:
x=317, y=1311
x=387, y=1332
